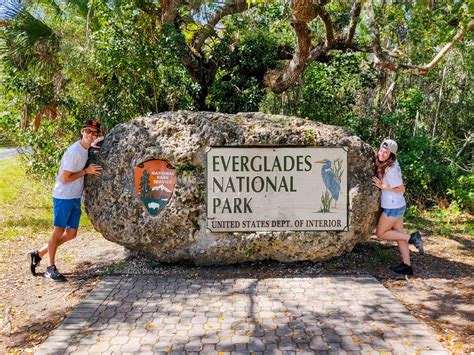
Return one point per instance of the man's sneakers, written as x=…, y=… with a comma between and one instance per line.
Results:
x=34, y=259
x=53, y=274
x=415, y=239
x=403, y=269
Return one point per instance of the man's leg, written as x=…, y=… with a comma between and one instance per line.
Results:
x=53, y=243
x=73, y=207
x=68, y=214
x=51, y=271
x=68, y=235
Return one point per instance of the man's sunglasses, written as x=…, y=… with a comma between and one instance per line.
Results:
x=89, y=131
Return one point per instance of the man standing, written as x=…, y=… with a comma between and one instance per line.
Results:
x=67, y=195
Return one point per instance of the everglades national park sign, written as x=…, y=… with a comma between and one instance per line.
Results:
x=277, y=189
x=154, y=184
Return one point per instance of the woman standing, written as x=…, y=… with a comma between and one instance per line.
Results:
x=390, y=225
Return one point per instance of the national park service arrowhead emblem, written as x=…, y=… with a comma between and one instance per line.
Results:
x=154, y=184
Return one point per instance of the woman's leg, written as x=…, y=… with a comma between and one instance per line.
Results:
x=402, y=245
x=386, y=230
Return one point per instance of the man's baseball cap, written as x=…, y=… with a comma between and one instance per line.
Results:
x=91, y=124
x=390, y=145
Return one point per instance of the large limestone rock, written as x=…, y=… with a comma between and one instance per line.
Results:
x=178, y=232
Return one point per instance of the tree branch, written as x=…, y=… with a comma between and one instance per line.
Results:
x=321, y=12
x=459, y=35
x=384, y=60
x=466, y=143
x=304, y=11
x=316, y=52
x=232, y=8
x=169, y=10
x=355, y=13
x=281, y=81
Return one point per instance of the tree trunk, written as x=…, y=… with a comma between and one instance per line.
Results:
x=204, y=75
x=440, y=97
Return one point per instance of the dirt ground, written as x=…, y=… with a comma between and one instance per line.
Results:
x=441, y=293
x=31, y=307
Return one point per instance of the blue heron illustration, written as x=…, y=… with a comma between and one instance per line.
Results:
x=330, y=179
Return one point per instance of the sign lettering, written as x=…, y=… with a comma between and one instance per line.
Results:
x=276, y=189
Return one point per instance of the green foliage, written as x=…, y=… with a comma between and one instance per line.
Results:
x=329, y=90
x=244, y=58
x=309, y=135
x=462, y=192
x=425, y=178
x=136, y=70
x=46, y=148
x=185, y=168
x=111, y=65
x=201, y=196
x=249, y=252
x=9, y=125
x=415, y=29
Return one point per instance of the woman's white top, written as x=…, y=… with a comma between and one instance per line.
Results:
x=392, y=178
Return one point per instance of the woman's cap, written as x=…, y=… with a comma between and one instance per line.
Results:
x=390, y=145
x=92, y=124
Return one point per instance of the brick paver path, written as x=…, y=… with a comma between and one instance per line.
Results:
x=151, y=314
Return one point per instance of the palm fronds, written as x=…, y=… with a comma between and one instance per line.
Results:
x=25, y=39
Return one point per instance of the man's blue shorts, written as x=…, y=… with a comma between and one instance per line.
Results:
x=67, y=213
x=396, y=213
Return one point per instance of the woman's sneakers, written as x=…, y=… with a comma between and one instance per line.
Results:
x=415, y=239
x=34, y=259
x=403, y=269
x=53, y=274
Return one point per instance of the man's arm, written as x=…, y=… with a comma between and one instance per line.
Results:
x=68, y=176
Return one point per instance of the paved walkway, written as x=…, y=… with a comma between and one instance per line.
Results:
x=12, y=152
x=8, y=152
x=150, y=314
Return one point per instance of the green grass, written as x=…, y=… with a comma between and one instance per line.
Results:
x=114, y=268
x=26, y=204
x=383, y=256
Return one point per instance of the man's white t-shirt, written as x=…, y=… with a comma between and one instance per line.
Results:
x=73, y=160
x=392, y=178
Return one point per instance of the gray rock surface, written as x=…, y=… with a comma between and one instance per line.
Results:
x=179, y=231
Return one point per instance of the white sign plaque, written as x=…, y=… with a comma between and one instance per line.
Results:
x=276, y=189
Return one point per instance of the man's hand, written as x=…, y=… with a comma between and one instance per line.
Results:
x=93, y=169
x=97, y=142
